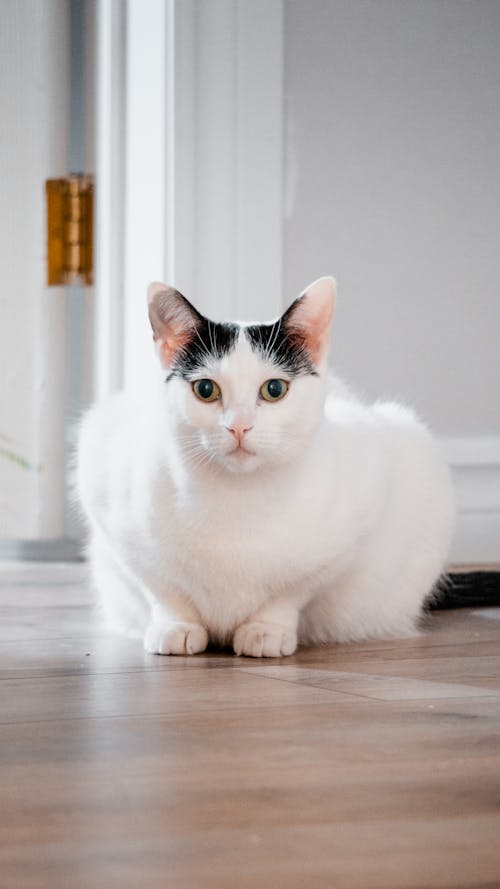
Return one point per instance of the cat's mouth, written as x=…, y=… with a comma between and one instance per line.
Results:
x=241, y=452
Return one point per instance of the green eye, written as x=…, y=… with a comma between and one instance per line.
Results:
x=274, y=390
x=206, y=390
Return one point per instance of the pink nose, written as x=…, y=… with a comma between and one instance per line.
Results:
x=238, y=430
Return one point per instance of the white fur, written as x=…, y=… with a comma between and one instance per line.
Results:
x=336, y=528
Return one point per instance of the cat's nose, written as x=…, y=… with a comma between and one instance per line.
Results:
x=239, y=430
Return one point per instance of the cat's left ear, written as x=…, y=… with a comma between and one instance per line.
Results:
x=310, y=317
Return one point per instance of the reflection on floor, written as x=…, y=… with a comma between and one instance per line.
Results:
x=366, y=766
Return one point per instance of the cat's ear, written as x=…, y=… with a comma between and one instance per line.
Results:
x=310, y=317
x=173, y=319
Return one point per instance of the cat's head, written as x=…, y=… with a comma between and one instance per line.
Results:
x=244, y=395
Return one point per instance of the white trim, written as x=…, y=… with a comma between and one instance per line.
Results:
x=135, y=201
x=477, y=539
x=475, y=468
x=109, y=199
x=472, y=450
x=58, y=550
x=145, y=178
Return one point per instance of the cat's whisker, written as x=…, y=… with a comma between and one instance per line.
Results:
x=266, y=350
x=212, y=341
x=272, y=341
x=197, y=460
x=205, y=351
x=195, y=449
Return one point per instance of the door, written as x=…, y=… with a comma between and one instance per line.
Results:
x=44, y=102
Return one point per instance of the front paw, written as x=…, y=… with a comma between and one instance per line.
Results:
x=264, y=640
x=175, y=637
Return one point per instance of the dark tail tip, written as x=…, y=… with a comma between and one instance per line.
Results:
x=468, y=589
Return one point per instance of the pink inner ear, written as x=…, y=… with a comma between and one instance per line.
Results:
x=172, y=320
x=313, y=316
x=169, y=346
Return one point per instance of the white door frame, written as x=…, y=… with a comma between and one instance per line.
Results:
x=189, y=191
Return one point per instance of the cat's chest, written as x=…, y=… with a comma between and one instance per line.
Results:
x=249, y=539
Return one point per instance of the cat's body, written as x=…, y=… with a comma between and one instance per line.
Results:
x=329, y=521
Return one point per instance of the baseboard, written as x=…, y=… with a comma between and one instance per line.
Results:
x=477, y=538
x=62, y=550
x=475, y=468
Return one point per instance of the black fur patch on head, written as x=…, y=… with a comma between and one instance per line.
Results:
x=211, y=341
x=282, y=344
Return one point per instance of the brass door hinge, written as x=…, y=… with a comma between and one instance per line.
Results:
x=70, y=205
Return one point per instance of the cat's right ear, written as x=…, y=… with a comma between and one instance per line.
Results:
x=173, y=319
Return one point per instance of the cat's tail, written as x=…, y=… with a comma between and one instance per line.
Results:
x=467, y=589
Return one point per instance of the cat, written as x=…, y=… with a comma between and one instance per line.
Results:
x=248, y=498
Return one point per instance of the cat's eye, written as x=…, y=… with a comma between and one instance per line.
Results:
x=274, y=390
x=206, y=390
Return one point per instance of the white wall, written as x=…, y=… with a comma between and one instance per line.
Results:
x=393, y=184
x=235, y=268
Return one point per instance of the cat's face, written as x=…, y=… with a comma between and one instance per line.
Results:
x=244, y=396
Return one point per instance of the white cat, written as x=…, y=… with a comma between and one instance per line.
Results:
x=250, y=499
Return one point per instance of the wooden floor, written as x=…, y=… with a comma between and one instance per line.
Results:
x=369, y=766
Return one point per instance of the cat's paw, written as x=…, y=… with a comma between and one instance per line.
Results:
x=175, y=637
x=261, y=639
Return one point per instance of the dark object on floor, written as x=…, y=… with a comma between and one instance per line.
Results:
x=472, y=589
